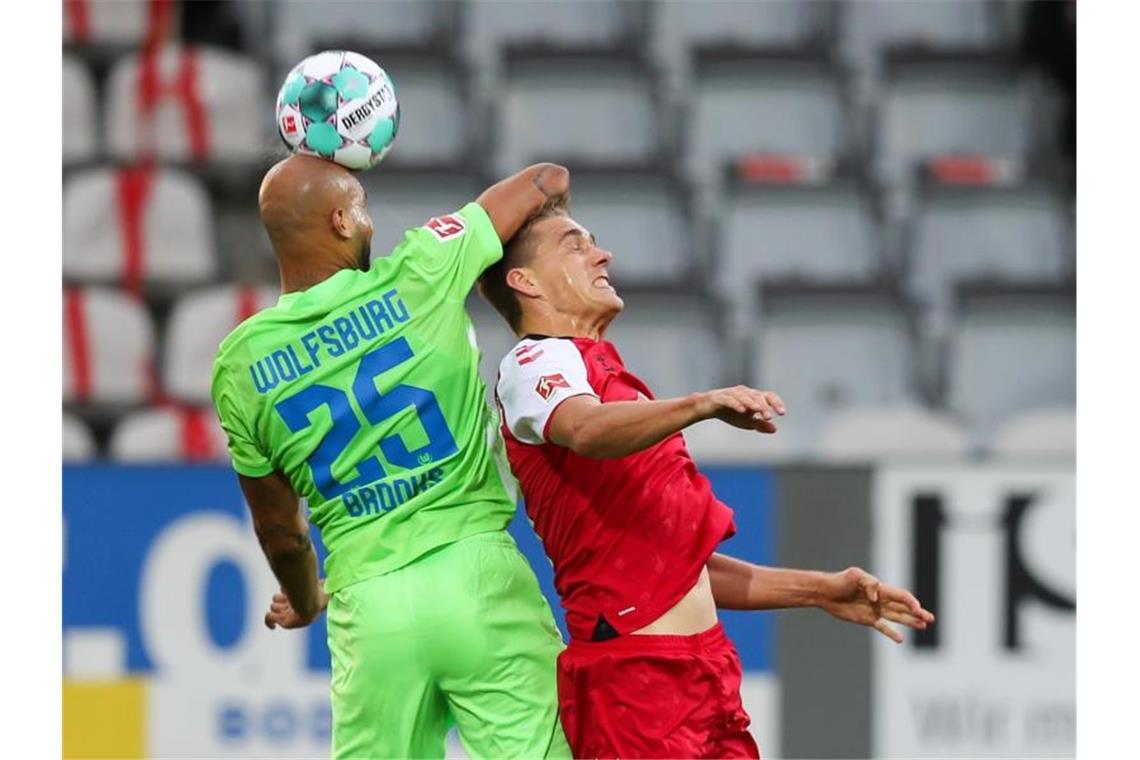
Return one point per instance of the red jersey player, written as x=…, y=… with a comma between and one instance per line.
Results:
x=628, y=522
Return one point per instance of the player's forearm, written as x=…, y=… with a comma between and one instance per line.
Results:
x=740, y=585
x=512, y=201
x=291, y=556
x=620, y=428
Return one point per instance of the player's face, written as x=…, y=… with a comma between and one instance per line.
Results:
x=573, y=271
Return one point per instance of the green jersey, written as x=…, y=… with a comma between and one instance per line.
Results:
x=364, y=391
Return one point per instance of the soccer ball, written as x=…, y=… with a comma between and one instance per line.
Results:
x=339, y=105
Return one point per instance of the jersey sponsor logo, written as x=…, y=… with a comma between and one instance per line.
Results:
x=446, y=227
x=548, y=383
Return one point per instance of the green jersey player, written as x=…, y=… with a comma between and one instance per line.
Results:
x=359, y=392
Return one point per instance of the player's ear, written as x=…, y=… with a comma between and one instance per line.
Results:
x=342, y=223
x=523, y=280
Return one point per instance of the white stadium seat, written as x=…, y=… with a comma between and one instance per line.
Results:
x=825, y=351
x=304, y=28
x=114, y=22
x=108, y=347
x=946, y=109
x=1012, y=352
x=137, y=226
x=901, y=431
x=80, y=119
x=78, y=443
x=1013, y=235
x=713, y=442
x=169, y=434
x=1040, y=433
x=786, y=24
x=198, y=324
x=594, y=110
x=401, y=200
x=187, y=104
x=743, y=106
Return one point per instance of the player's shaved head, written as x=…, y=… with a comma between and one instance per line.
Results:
x=314, y=213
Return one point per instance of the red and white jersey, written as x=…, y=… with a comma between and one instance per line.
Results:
x=627, y=536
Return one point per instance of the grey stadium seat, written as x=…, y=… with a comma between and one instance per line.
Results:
x=589, y=109
x=434, y=111
x=642, y=219
x=869, y=27
x=1049, y=433
x=400, y=200
x=827, y=350
x=169, y=434
x=1013, y=235
x=78, y=443
x=894, y=432
x=742, y=105
x=669, y=339
x=108, y=347
x=811, y=234
x=80, y=142
x=1011, y=352
x=950, y=108
x=304, y=28
x=784, y=24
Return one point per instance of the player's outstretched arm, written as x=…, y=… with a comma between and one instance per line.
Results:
x=619, y=428
x=853, y=595
x=512, y=201
x=283, y=533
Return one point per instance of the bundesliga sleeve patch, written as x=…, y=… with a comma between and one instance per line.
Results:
x=446, y=227
x=548, y=383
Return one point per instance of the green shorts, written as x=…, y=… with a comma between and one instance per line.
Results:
x=460, y=636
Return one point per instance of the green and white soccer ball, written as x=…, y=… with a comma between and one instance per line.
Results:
x=341, y=106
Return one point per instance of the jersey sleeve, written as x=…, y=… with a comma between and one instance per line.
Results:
x=534, y=378
x=245, y=454
x=452, y=250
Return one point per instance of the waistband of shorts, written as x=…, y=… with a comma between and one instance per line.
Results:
x=635, y=642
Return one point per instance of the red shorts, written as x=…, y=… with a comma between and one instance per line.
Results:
x=654, y=696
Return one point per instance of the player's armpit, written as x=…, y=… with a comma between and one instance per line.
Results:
x=512, y=201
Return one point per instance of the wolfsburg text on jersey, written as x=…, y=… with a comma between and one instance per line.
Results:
x=333, y=338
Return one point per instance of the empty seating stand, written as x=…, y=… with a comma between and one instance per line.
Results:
x=583, y=109
x=303, y=28
x=746, y=102
x=187, y=104
x=677, y=27
x=80, y=122
x=399, y=200
x=137, y=227
x=169, y=434
x=1012, y=350
x=198, y=323
x=829, y=349
x=108, y=349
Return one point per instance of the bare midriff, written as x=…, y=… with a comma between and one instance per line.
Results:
x=695, y=613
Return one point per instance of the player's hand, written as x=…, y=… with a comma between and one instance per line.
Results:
x=857, y=596
x=742, y=407
x=281, y=612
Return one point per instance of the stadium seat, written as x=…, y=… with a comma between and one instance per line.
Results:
x=399, y=200
x=670, y=339
x=746, y=104
x=80, y=123
x=782, y=233
x=135, y=227
x=869, y=27
x=492, y=25
x=825, y=350
x=187, y=104
x=774, y=24
x=115, y=22
x=1038, y=434
x=434, y=111
x=1018, y=234
x=643, y=219
x=1011, y=351
x=169, y=434
x=950, y=106
x=108, y=348
x=78, y=443
x=304, y=28
x=901, y=431
x=713, y=442
x=578, y=109
x=198, y=324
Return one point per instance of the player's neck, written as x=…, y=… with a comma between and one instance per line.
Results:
x=299, y=272
x=563, y=325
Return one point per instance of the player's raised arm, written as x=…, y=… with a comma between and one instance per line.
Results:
x=853, y=595
x=283, y=533
x=512, y=201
